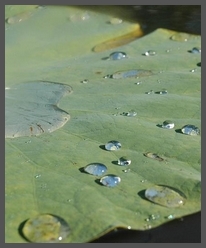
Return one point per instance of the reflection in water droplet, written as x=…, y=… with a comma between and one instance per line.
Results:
x=130, y=73
x=110, y=180
x=190, y=130
x=131, y=113
x=113, y=145
x=96, y=169
x=164, y=196
x=149, y=53
x=124, y=161
x=168, y=124
x=45, y=228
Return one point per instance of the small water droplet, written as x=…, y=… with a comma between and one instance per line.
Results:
x=79, y=16
x=138, y=83
x=143, y=181
x=96, y=169
x=45, y=228
x=170, y=217
x=124, y=161
x=152, y=217
x=164, y=196
x=85, y=81
x=110, y=180
x=195, y=50
x=115, y=21
x=153, y=156
x=149, y=53
x=162, y=92
x=168, y=124
x=190, y=130
x=27, y=142
x=37, y=176
x=131, y=113
x=149, y=92
x=126, y=170
x=113, y=145
x=117, y=56
x=136, y=73
x=193, y=70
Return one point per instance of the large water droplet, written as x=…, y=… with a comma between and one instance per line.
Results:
x=136, y=73
x=124, y=161
x=115, y=21
x=113, y=145
x=190, y=130
x=45, y=228
x=110, y=180
x=96, y=169
x=164, y=196
x=31, y=108
x=168, y=124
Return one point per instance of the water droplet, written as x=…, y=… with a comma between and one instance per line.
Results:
x=117, y=56
x=149, y=53
x=193, y=70
x=130, y=73
x=195, y=50
x=180, y=37
x=149, y=92
x=96, y=169
x=152, y=217
x=127, y=170
x=110, y=180
x=85, y=81
x=45, y=228
x=79, y=16
x=168, y=124
x=164, y=196
x=113, y=145
x=138, y=83
x=131, y=113
x=190, y=130
x=37, y=176
x=170, y=217
x=124, y=161
x=19, y=18
x=153, y=156
x=162, y=92
x=115, y=21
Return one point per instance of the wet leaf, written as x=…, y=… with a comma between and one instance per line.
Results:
x=43, y=173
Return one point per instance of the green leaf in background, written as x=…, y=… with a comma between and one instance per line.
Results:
x=44, y=173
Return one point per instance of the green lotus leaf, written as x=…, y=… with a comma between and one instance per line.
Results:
x=44, y=173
